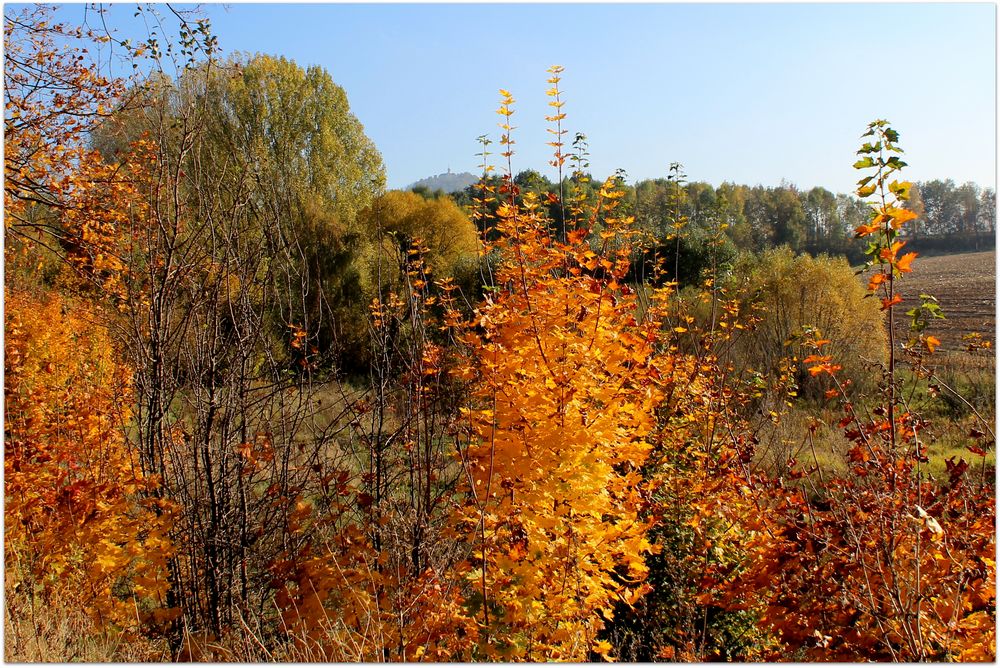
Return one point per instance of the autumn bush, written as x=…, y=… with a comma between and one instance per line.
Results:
x=566, y=399
x=800, y=292
x=882, y=561
x=406, y=217
x=80, y=529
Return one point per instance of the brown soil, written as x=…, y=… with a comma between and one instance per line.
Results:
x=965, y=286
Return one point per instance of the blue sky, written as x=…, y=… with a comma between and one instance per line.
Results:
x=736, y=92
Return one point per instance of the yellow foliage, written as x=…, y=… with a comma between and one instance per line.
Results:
x=398, y=219
x=798, y=291
x=565, y=388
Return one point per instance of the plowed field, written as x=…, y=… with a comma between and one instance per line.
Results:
x=965, y=286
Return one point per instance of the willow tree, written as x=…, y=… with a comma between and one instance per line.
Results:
x=312, y=166
x=283, y=139
x=396, y=220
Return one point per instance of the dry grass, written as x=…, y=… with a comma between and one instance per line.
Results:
x=37, y=633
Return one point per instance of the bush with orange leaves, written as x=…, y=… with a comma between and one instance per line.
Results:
x=882, y=562
x=80, y=530
x=563, y=378
x=566, y=378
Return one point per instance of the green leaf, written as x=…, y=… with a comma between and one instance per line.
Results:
x=864, y=163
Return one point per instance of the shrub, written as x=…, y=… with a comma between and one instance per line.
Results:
x=798, y=292
x=397, y=219
x=81, y=527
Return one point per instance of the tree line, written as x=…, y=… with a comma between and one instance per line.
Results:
x=817, y=221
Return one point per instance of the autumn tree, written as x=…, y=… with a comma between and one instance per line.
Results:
x=567, y=385
x=53, y=97
x=289, y=131
x=796, y=292
x=102, y=542
x=397, y=220
x=57, y=215
x=215, y=318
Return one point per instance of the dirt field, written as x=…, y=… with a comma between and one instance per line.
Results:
x=965, y=286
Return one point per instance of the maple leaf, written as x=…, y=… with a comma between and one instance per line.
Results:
x=876, y=280
x=887, y=303
x=903, y=264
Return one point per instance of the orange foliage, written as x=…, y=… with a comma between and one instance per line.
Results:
x=77, y=529
x=565, y=388
x=883, y=562
x=108, y=206
x=868, y=574
x=59, y=193
x=584, y=431
x=53, y=96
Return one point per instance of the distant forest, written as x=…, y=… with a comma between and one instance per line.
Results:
x=950, y=217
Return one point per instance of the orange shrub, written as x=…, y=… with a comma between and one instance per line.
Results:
x=77, y=528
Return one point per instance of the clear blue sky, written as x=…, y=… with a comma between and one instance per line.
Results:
x=736, y=92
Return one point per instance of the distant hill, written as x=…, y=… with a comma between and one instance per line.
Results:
x=449, y=182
